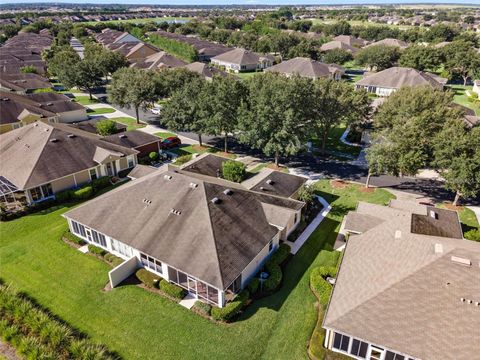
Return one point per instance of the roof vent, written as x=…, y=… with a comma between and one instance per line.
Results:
x=5, y=99
x=122, y=136
x=49, y=104
x=215, y=200
x=53, y=140
x=193, y=185
x=175, y=212
x=146, y=201
x=228, y=191
x=167, y=177
x=71, y=136
x=269, y=182
x=433, y=214
x=461, y=261
x=438, y=249
x=262, y=188
x=398, y=234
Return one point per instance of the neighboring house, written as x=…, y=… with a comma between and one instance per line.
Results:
x=240, y=60
x=408, y=286
x=133, y=50
x=39, y=160
x=351, y=40
x=206, y=235
x=91, y=125
x=158, y=60
x=385, y=82
x=23, y=83
x=66, y=110
x=390, y=42
x=208, y=72
x=141, y=141
x=335, y=44
x=110, y=36
x=309, y=68
x=476, y=87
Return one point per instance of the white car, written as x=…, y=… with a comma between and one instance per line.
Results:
x=156, y=110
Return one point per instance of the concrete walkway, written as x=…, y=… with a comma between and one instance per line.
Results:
x=188, y=301
x=344, y=140
x=476, y=210
x=295, y=246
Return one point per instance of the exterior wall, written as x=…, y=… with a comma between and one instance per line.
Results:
x=122, y=271
x=234, y=67
x=147, y=149
x=141, y=53
x=73, y=116
x=82, y=177
x=122, y=163
x=5, y=128
x=64, y=183
x=255, y=265
x=377, y=90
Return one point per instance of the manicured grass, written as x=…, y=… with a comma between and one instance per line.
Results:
x=334, y=143
x=100, y=111
x=247, y=75
x=461, y=97
x=142, y=325
x=85, y=100
x=164, y=135
x=130, y=122
x=190, y=149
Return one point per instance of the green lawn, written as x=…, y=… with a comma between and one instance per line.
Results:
x=85, y=100
x=130, y=122
x=164, y=135
x=334, y=143
x=100, y=111
x=142, y=325
x=247, y=75
x=461, y=98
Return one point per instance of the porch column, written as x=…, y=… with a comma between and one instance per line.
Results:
x=221, y=298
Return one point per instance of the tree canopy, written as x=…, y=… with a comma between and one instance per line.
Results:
x=378, y=57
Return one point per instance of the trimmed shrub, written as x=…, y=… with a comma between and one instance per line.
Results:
x=101, y=183
x=473, y=234
x=183, y=159
x=318, y=283
x=112, y=259
x=273, y=268
x=253, y=285
x=83, y=193
x=153, y=156
x=148, y=278
x=202, y=308
x=96, y=250
x=231, y=309
x=234, y=171
x=64, y=196
x=73, y=238
x=282, y=254
x=172, y=290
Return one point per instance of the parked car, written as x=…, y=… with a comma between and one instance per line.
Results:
x=156, y=110
x=170, y=143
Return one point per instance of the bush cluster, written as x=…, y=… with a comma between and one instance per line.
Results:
x=231, y=309
x=171, y=289
x=112, y=259
x=202, y=308
x=96, y=250
x=183, y=159
x=148, y=278
x=473, y=234
x=234, y=171
x=38, y=335
x=101, y=183
x=273, y=268
x=253, y=285
x=318, y=283
x=85, y=192
x=73, y=238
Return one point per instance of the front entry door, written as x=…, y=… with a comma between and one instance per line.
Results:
x=111, y=169
x=192, y=285
x=376, y=353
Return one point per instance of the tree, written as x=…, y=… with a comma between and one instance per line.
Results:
x=106, y=127
x=84, y=74
x=333, y=103
x=29, y=69
x=167, y=81
x=378, y=57
x=225, y=95
x=420, y=57
x=462, y=60
x=106, y=60
x=337, y=56
x=233, y=171
x=306, y=194
x=276, y=113
x=306, y=48
x=131, y=87
x=188, y=107
x=457, y=157
x=60, y=60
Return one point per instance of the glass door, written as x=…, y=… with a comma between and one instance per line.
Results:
x=192, y=285
x=376, y=353
x=89, y=235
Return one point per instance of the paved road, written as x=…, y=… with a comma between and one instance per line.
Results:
x=317, y=167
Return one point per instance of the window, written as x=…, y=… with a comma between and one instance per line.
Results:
x=359, y=348
x=295, y=219
x=78, y=229
x=392, y=356
x=36, y=193
x=151, y=263
x=93, y=174
x=131, y=162
x=270, y=245
x=340, y=342
x=47, y=190
x=99, y=238
x=41, y=192
x=121, y=248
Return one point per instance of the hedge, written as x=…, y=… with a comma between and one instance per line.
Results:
x=171, y=289
x=253, y=285
x=113, y=260
x=473, y=234
x=96, y=250
x=232, y=308
x=318, y=283
x=101, y=183
x=64, y=196
x=202, y=308
x=147, y=278
x=183, y=159
x=83, y=193
x=282, y=253
x=37, y=334
x=180, y=49
x=73, y=238
x=273, y=268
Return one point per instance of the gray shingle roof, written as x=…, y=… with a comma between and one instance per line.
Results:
x=304, y=67
x=396, y=77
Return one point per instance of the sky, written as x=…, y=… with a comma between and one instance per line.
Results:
x=246, y=2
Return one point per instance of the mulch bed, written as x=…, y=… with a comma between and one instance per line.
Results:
x=275, y=167
x=453, y=207
x=338, y=184
x=364, y=189
x=199, y=148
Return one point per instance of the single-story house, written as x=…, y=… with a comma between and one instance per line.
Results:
x=385, y=82
x=111, y=36
x=19, y=110
x=335, y=44
x=390, y=42
x=133, y=50
x=40, y=159
x=141, y=141
x=426, y=306
x=239, y=60
x=208, y=72
x=23, y=83
x=206, y=235
x=351, y=40
x=309, y=68
x=158, y=60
